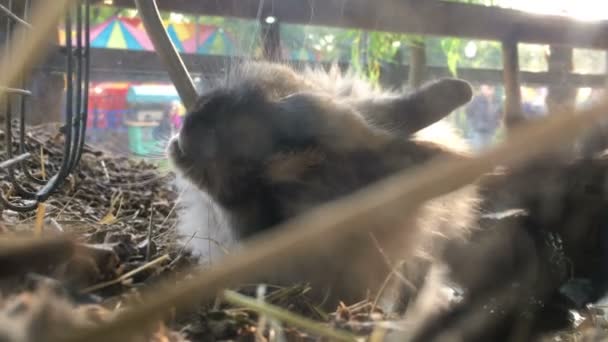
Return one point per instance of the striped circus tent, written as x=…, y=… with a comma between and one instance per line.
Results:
x=117, y=33
x=129, y=33
x=183, y=36
x=302, y=54
x=121, y=33
x=214, y=40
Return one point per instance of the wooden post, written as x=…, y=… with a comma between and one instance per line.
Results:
x=417, y=70
x=271, y=38
x=561, y=95
x=512, y=109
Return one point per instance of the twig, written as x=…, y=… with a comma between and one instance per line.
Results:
x=66, y=204
x=215, y=242
x=126, y=275
x=383, y=287
x=395, y=197
x=262, y=320
x=39, y=226
x=177, y=200
x=57, y=225
x=288, y=317
x=105, y=171
x=389, y=263
x=149, y=238
x=42, y=165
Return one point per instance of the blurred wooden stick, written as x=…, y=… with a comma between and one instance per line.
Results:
x=396, y=197
x=165, y=49
x=27, y=52
x=285, y=316
x=22, y=255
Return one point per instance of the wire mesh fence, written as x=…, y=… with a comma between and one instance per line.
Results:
x=15, y=102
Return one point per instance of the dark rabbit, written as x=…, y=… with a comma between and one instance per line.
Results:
x=272, y=143
x=546, y=256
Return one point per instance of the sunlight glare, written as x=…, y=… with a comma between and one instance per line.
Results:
x=579, y=9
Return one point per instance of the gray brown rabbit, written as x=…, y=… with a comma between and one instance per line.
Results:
x=271, y=143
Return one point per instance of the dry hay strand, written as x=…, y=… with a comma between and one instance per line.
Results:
x=44, y=315
x=100, y=231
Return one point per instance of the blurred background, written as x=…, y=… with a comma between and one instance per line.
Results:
x=133, y=101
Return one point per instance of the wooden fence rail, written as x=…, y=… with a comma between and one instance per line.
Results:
x=113, y=65
x=432, y=17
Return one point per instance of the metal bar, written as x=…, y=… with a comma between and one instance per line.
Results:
x=27, y=54
x=76, y=124
x=14, y=160
x=84, y=111
x=68, y=128
x=19, y=208
x=22, y=146
x=21, y=92
x=14, y=65
x=9, y=29
x=15, y=91
x=13, y=16
x=9, y=153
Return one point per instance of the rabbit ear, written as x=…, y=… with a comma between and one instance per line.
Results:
x=316, y=119
x=409, y=113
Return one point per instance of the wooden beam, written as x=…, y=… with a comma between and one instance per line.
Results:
x=409, y=16
x=110, y=64
x=510, y=61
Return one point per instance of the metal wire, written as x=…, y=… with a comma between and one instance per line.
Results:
x=22, y=149
x=8, y=12
x=74, y=129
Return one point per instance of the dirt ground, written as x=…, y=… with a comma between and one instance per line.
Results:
x=109, y=234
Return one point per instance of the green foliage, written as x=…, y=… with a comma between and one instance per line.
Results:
x=488, y=55
x=452, y=47
x=331, y=43
x=532, y=57
x=245, y=33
